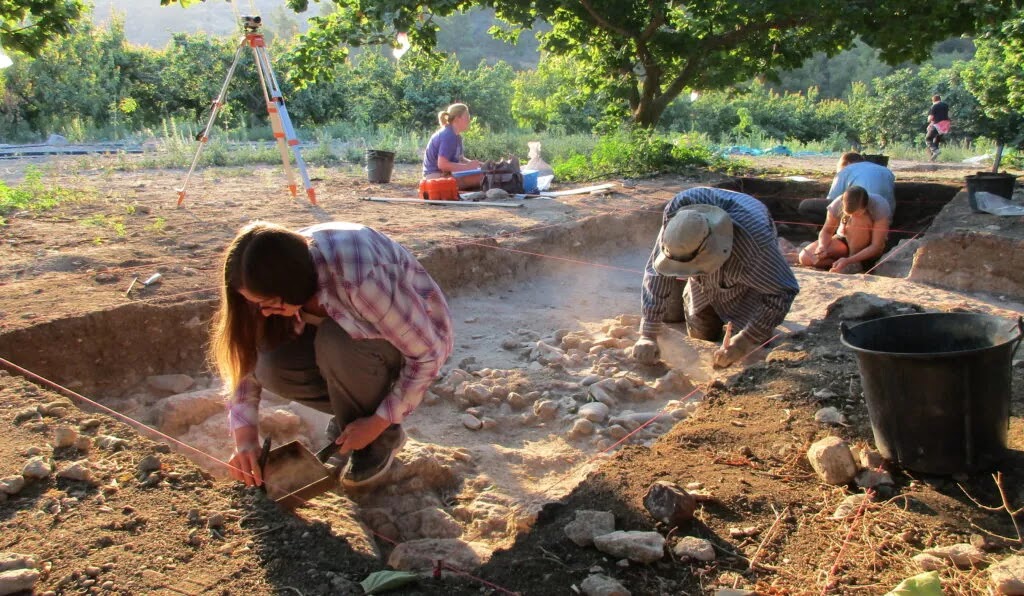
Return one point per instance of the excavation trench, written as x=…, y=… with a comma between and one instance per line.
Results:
x=538, y=389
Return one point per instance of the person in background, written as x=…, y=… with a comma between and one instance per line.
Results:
x=855, y=231
x=338, y=317
x=725, y=244
x=853, y=170
x=443, y=156
x=938, y=126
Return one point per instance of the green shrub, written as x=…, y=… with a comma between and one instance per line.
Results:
x=634, y=153
x=32, y=194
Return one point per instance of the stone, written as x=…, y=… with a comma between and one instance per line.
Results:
x=698, y=549
x=545, y=409
x=80, y=470
x=641, y=547
x=870, y=459
x=10, y=561
x=602, y=585
x=422, y=555
x=829, y=415
x=582, y=428
x=18, y=580
x=110, y=442
x=12, y=485
x=175, y=414
x=930, y=562
x=600, y=394
x=831, y=459
x=873, y=478
x=588, y=525
x=1007, y=576
x=150, y=463
x=472, y=422
x=176, y=383
x=37, y=468
x=64, y=436
x=429, y=522
x=669, y=503
x=962, y=555
x=849, y=506
x=594, y=412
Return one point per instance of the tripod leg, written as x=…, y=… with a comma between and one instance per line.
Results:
x=274, y=106
x=281, y=124
x=218, y=103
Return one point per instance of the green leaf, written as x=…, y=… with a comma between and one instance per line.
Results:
x=922, y=584
x=379, y=582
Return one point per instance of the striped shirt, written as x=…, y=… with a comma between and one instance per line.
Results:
x=753, y=289
x=374, y=289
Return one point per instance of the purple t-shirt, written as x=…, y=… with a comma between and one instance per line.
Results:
x=445, y=142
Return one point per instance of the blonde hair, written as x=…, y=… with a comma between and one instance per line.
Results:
x=454, y=111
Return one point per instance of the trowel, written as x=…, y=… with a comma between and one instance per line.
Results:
x=293, y=474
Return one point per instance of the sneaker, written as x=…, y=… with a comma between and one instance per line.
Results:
x=373, y=461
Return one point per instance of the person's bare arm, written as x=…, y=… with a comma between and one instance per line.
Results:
x=445, y=165
x=879, y=232
x=826, y=233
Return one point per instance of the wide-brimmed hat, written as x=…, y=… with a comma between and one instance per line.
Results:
x=697, y=240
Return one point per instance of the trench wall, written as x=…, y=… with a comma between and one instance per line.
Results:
x=107, y=352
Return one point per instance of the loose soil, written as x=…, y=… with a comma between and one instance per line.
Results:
x=183, y=530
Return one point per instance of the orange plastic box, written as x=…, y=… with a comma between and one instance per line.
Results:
x=439, y=189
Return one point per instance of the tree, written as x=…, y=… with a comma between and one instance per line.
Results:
x=26, y=25
x=991, y=77
x=648, y=52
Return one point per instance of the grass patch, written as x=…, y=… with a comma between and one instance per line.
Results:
x=31, y=195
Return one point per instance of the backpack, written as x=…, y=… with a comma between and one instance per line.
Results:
x=503, y=174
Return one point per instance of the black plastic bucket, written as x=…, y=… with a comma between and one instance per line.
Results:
x=997, y=184
x=379, y=165
x=937, y=387
x=882, y=160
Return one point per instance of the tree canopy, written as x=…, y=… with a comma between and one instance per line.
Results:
x=26, y=25
x=645, y=53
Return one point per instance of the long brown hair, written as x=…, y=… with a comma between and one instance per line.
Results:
x=269, y=261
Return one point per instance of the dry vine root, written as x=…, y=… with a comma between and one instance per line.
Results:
x=1004, y=506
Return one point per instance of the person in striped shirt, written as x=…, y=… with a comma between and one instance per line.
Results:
x=338, y=317
x=725, y=245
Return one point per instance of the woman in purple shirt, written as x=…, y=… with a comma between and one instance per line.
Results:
x=444, y=151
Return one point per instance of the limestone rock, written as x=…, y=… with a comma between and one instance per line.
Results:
x=545, y=409
x=429, y=522
x=691, y=547
x=930, y=562
x=1007, y=576
x=421, y=555
x=642, y=547
x=588, y=525
x=170, y=383
x=281, y=424
x=849, y=506
x=472, y=422
x=582, y=428
x=64, y=436
x=80, y=470
x=12, y=485
x=962, y=555
x=177, y=413
x=10, y=561
x=111, y=442
x=37, y=468
x=669, y=503
x=829, y=415
x=594, y=412
x=873, y=478
x=602, y=585
x=831, y=459
x=17, y=580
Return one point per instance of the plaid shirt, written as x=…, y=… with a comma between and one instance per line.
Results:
x=374, y=289
x=755, y=286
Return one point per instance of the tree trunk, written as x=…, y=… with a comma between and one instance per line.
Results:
x=999, y=158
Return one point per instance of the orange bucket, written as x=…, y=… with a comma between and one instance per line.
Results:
x=439, y=189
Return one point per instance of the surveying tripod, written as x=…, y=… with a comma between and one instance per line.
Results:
x=280, y=123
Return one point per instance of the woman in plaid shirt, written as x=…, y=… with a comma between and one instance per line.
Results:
x=339, y=317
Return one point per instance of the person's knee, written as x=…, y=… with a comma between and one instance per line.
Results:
x=807, y=258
